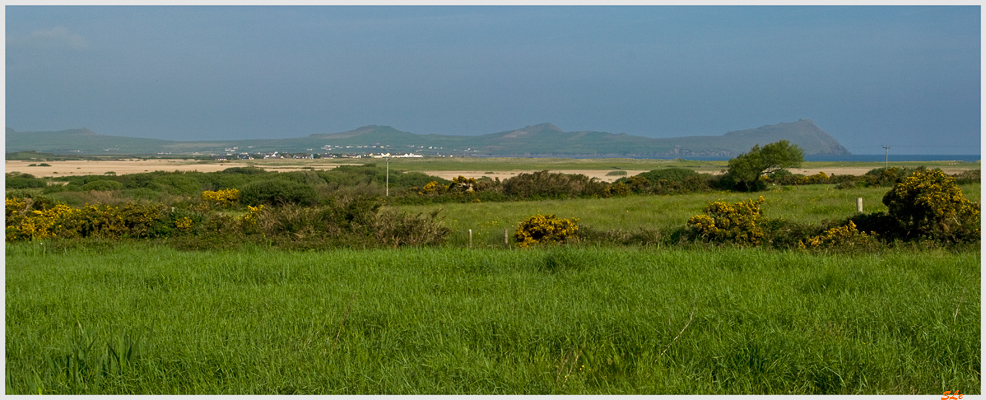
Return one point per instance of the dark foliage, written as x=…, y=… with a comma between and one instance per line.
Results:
x=276, y=192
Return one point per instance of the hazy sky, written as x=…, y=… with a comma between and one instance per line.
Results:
x=904, y=76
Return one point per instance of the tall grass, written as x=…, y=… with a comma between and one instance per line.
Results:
x=137, y=318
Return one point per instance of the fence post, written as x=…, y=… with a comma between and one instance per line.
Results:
x=470, y=238
x=859, y=205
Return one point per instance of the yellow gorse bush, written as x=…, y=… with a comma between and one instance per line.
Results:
x=41, y=224
x=224, y=198
x=820, y=177
x=545, y=229
x=129, y=220
x=929, y=202
x=846, y=236
x=251, y=216
x=431, y=188
x=13, y=206
x=724, y=222
x=183, y=223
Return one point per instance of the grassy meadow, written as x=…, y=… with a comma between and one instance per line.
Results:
x=810, y=203
x=139, y=318
x=97, y=316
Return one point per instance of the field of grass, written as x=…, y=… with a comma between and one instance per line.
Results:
x=132, y=317
x=139, y=318
x=811, y=203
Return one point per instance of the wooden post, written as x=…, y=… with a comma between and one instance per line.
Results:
x=859, y=205
x=470, y=238
x=506, y=238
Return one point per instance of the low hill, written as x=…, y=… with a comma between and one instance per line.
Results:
x=537, y=140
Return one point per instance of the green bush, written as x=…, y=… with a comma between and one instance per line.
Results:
x=24, y=182
x=179, y=183
x=244, y=170
x=103, y=185
x=544, y=184
x=673, y=174
x=277, y=192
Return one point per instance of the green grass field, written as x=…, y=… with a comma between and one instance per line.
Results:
x=812, y=203
x=147, y=319
x=141, y=318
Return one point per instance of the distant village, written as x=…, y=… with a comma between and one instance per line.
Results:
x=327, y=151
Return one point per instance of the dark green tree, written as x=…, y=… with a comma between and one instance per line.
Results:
x=746, y=169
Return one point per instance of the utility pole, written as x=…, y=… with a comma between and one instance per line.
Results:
x=886, y=159
x=388, y=176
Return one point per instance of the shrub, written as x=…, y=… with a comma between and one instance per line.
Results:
x=103, y=185
x=544, y=184
x=545, y=229
x=967, y=177
x=929, y=203
x=674, y=174
x=816, y=179
x=278, y=192
x=885, y=176
x=666, y=181
x=736, y=223
x=785, y=234
x=23, y=182
x=395, y=229
x=618, y=189
x=432, y=188
x=244, y=170
x=224, y=198
x=40, y=224
x=845, y=237
x=178, y=183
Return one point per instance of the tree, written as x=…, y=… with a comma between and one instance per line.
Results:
x=746, y=169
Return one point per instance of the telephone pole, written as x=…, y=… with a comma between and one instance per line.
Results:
x=886, y=159
x=388, y=176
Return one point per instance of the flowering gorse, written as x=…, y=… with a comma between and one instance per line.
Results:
x=224, y=198
x=724, y=222
x=545, y=229
x=844, y=237
x=929, y=203
x=251, y=216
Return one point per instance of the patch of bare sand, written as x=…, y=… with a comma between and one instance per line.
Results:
x=119, y=167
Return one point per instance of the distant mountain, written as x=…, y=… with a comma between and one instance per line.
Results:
x=537, y=140
x=80, y=141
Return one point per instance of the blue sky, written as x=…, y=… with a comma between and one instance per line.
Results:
x=905, y=76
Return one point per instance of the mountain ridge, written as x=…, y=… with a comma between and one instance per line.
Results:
x=545, y=139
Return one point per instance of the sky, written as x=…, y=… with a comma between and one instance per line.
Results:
x=904, y=76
